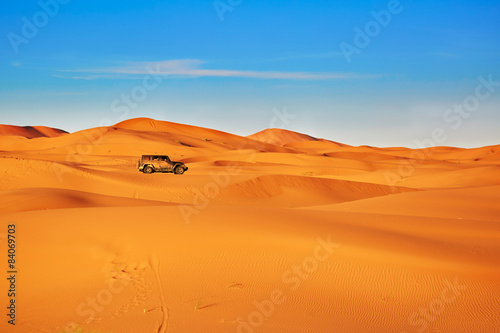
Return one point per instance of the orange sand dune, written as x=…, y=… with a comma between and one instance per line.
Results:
x=31, y=132
x=298, y=191
x=280, y=137
x=477, y=203
x=26, y=199
x=275, y=232
x=294, y=140
x=208, y=136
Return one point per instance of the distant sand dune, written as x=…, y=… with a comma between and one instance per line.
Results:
x=30, y=132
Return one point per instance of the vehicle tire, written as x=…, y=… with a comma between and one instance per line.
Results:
x=179, y=170
x=147, y=169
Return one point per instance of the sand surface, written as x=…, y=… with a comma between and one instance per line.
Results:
x=275, y=232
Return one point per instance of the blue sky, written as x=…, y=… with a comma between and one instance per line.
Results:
x=381, y=73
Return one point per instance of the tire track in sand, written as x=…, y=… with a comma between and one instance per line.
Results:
x=155, y=265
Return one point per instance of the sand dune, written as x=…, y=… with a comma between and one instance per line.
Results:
x=30, y=132
x=477, y=203
x=275, y=232
x=280, y=137
x=298, y=191
x=27, y=199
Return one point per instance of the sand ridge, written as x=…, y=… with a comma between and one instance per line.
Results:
x=30, y=132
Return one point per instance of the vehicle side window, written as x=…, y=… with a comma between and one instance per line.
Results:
x=156, y=158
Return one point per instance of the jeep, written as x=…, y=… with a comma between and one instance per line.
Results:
x=160, y=163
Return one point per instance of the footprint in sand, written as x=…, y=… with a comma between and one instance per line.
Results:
x=124, y=274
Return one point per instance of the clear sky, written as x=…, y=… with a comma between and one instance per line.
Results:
x=381, y=73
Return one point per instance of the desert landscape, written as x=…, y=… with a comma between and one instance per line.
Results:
x=275, y=232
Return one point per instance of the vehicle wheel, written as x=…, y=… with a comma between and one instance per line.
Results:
x=179, y=170
x=147, y=169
